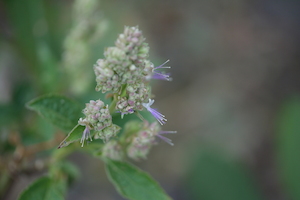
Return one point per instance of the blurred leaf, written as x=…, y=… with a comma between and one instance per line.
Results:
x=57, y=15
x=133, y=183
x=44, y=188
x=67, y=169
x=22, y=93
x=288, y=146
x=49, y=74
x=214, y=178
x=7, y=114
x=71, y=171
x=5, y=146
x=73, y=136
x=39, y=131
x=59, y=110
x=4, y=181
x=22, y=17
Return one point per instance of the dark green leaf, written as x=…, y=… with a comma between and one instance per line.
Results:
x=44, y=188
x=133, y=183
x=59, y=110
x=288, y=146
x=73, y=136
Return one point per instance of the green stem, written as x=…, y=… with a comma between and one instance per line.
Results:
x=62, y=153
x=113, y=104
x=112, y=107
x=123, y=90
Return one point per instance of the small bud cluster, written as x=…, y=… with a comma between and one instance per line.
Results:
x=132, y=42
x=97, y=115
x=142, y=142
x=113, y=150
x=125, y=72
x=107, y=133
x=97, y=118
x=133, y=101
x=137, y=145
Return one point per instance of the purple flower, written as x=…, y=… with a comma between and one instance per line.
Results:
x=167, y=140
x=160, y=117
x=161, y=75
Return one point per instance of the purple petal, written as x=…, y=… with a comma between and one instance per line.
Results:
x=160, y=117
x=167, y=132
x=167, y=140
x=161, y=76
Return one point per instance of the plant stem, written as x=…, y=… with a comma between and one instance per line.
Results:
x=113, y=104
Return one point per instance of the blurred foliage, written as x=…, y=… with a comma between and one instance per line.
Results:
x=288, y=146
x=33, y=36
x=44, y=188
x=213, y=177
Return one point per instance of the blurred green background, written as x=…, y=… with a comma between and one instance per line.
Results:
x=234, y=98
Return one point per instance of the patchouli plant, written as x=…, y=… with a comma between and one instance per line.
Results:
x=121, y=127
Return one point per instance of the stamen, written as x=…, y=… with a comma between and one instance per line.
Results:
x=167, y=140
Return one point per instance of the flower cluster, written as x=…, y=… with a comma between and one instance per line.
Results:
x=138, y=144
x=124, y=63
x=142, y=142
x=98, y=118
x=113, y=150
x=125, y=72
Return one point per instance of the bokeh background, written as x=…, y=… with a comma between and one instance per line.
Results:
x=234, y=98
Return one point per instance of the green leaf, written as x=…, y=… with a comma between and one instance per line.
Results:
x=73, y=136
x=59, y=110
x=133, y=183
x=44, y=188
x=288, y=146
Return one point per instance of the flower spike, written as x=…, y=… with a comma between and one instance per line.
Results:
x=160, y=117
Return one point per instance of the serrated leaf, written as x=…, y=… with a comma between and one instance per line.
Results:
x=288, y=147
x=44, y=188
x=59, y=110
x=133, y=183
x=74, y=135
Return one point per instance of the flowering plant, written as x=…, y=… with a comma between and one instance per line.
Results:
x=124, y=75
